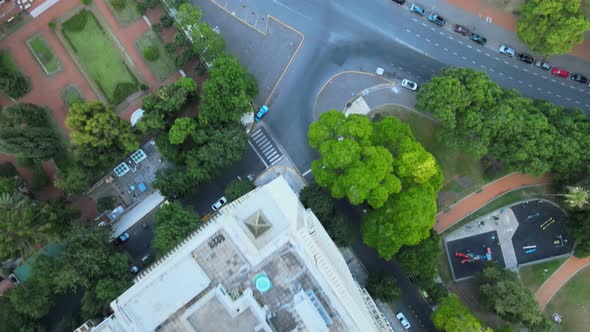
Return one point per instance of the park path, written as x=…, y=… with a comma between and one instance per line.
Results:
x=565, y=272
x=480, y=198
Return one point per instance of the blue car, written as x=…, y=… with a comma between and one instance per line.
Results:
x=263, y=110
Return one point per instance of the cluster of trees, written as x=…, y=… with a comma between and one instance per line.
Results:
x=382, y=165
x=238, y=188
x=452, y=316
x=551, y=27
x=530, y=136
x=207, y=43
x=173, y=224
x=12, y=82
x=382, y=287
x=578, y=210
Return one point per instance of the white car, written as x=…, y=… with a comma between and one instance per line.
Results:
x=409, y=85
x=402, y=319
x=507, y=50
x=217, y=205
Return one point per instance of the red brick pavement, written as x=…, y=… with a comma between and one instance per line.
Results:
x=572, y=266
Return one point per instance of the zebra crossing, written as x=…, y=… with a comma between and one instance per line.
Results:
x=265, y=147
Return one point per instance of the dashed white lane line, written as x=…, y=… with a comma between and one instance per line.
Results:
x=520, y=81
x=530, y=85
x=506, y=63
x=545, y=77
x=441, y=33
x=488, y=54
x=478, y=50
x=535, y=74
x=427, y=40
x=482, y=66
x=455, y=53
x=446, y=49
x=562, y=83
x=587, y=105
x=549, y=92
x=577, y=102
x=501, y=74
x=554, y=81
x=573, y=87
x=539, y=89
x=525, y=70
x=568, y=99
x=558, y=96
x=580, y=90
x=408, y=30
x=515, y=66
x=492, y=70
x=415, y=20
x=423, y=24
x=497, y=59
x=469, y=46
x=451, y=38
x=460, y=42
x=472, y=61
x=464, y=58
x=509, y=77
x=433, y=29
x=306, y=172
x=417, y=35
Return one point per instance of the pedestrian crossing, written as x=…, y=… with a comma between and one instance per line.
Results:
x=265, y=147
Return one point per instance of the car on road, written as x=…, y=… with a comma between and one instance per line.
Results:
x=399, y=2
x=543, y=65
x=526, y=58
x=402, y=319
x=461, y=30
x=263, y=110
x=560, y=72
x=436, y=19
x=417, y=9
x=220, y=202
x=122, y=238
x=507, y=50
x=478, y=39
x=579, y=78
x=409, y=84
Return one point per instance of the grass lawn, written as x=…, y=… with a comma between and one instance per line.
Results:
x=164, y=66
x=572, y=301
x=8, y=61
x=126, y=15
x=70, y=94
x=101, y=59
x=44, y=55
x=533, y=276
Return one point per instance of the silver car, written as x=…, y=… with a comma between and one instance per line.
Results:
x=220, y=202
x=402, y=319
x=507, y=50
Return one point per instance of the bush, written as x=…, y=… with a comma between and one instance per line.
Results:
x=118, y=4
x=87, y=2
x=141, y=8
x=8, y=170
x=151, y=54
x=105, y=203
x=157, y=27
x=122, y=91
x=183, y=57
x=51, y=25
x=152, y=3
x=170, y=48
x=77, y=22
x=143, y=86
x=238, y=188
x=179, y=40
x=166, y=21
x=40, y=178
x=25, y=162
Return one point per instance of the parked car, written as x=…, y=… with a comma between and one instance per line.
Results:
x=220, y=202
x=507, y=50
x=461, y=30
x=409, y=84
x=417, y=9
x=122, y=238
x=436, y=19
x=478, y=39
x=526, y=58
x=402, y=319
x=399, y=2
x=560, y=72
x=263, y=110
x=579, y=78
x=543, y=65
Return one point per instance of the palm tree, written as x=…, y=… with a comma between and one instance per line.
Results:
x=576, y=197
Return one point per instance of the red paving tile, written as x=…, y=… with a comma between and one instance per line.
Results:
x=565, y=272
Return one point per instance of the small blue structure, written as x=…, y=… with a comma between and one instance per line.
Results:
x=262, y=282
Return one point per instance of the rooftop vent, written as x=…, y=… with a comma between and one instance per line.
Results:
x=138, y=156
x=121, y=169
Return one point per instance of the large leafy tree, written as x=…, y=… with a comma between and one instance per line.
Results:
x=227, y=93
x=181, y=129
x=238, y=188
x=451, y=316
x=188, y=15
x=207, y=42
x=552, y=27
x=420, y=261
x=578, y=225
x=173, y=224
x=382, y=287
x=12, y=82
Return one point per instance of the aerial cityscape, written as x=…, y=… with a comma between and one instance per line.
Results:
x=294, y=165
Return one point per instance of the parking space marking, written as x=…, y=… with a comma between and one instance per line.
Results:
x=558, y=96
x=469, y=46
x=428, y=40
x=482, y=66
x=417, y=35
x=408, y=30
x=464, y=58
x=501, y=74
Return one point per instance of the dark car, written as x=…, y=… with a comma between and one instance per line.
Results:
x=461, y=30
x=525, y=58
x=436, y=19
x=543, y=65
x=399, y=2
x=478, y=39
x=417, y=9
x=122, y=238
x=579, y=78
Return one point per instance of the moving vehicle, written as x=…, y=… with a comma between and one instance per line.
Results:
x=579, y=78
x=543, y=65
x=399, y=2
x=478, y=39
x=402, y=319
x=507, y=50
x=417, y=9
x=560, y=72
x=122, y=238
x=461, y=30
x=263, y=110
x=526, y=58
x=436, y=19
x=220, y=202
x=409, y=84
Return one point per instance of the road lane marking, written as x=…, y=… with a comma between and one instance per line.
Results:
x=562, y=83
x=408, y=30
x=509, y=77
x=428, y=40
x=558, y=96
x=580, y=90
x=469, y=46
x=568, y=99
x=506, y=63
x=415, y=20
x=258, y=154
x=437, y=45
x=464, y=58
x=423, y=24
x=441, y=33
x=554, y=81
x=577, y=102
x=549, y=92
x=455, y=53
x=586, y=105
x=525, y=70
x=417, y=35
x=539, y=89
x=519, y=81
x=573, y=87
x=515, y=66
x=530, y=85
x=482, y=66
x=492, y=70
x=472, y=61
x=451, y=38
x=497, y=59
x=306, y=172
x=478, y=50
x=487, y=54
x=501, y=74
x=545, y=77
x=460, y=42
x=535, y=74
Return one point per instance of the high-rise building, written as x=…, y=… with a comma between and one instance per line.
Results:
x=262, y=263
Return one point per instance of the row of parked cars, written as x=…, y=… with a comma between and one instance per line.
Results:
x=504, y=49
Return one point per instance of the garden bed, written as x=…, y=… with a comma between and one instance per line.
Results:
x=126, y=13
x=44, y=55
x=71, y=94
x=99, y=56
x=164, y=65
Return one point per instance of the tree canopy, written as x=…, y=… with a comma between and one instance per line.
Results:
x=420, y=261
x=382, y=287
x=238, y=188
x=452, y=316
x=181, y=129
x=12, y=81
x=552, y=27
x=173, y=224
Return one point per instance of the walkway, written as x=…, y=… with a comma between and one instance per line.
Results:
x=486, y=194
x=550, y=287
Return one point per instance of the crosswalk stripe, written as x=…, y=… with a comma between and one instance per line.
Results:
x=257, y=133
x=263, y=146
x=271, y=154
x=260, y=139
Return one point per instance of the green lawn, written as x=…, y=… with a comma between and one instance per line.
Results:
x=101, y=59
x=8, y=61
x=533, y=276
x=70, y=94
x=44, y=55
x=126, y=15
x=164, y=66
x=572, y=302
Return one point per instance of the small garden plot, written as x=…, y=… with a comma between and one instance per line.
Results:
x=158, y=59
x=44, y=55
x=99, y=56
x=71, y=95
x=125, y=11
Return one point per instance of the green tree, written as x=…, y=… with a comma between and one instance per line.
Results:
x=551, y=27
x=318, y=200
x=24, y=115
x=173, y=224
x=576, y=197
x=382, y=287
x=578, y=225
x=420, y=261
x=227, y=93
x=173, y=183
x=238, y=188
x=13, y=320
x=444, y=97
x=31, y=298
x=207, y=42
x=12, y=82
x=74, y=181
x=181, y=129
x=452, y=316
x=188, y=15
x=38, y=143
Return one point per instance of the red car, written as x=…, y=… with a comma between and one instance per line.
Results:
x=461, y=30
x=560, y=72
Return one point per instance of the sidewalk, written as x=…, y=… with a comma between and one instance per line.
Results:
x=548, y=289
x=502, y=29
